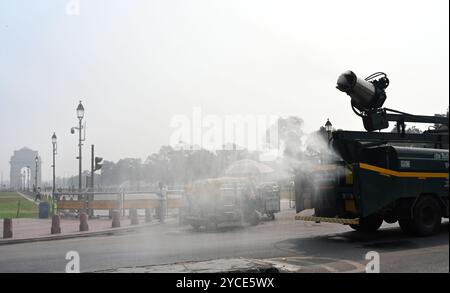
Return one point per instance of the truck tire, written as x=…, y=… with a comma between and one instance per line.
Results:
x=368, y=224
x=426, y=219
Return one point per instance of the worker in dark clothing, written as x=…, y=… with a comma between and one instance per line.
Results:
x=38, y=194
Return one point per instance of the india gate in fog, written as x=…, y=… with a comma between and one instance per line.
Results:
x=23, y=169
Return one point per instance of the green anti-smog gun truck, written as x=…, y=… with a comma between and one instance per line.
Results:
x=379, y=176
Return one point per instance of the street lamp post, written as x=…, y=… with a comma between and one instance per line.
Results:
x=328, y=129
x=53, y=166
x=36, y=173
x=80, y=115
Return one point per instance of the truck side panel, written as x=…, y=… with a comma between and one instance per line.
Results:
x=382, y=189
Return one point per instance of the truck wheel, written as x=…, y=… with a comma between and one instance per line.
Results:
x=271, y=216
x=426, y=219
x=368, y=224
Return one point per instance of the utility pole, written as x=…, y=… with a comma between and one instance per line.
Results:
x=92, y=168
x=80, y=116
x=53, y=166
x=91, y=186
x=96, y=164
x=36, y=173
x=80, y=144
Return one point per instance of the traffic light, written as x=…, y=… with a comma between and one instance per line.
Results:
x=98, y=163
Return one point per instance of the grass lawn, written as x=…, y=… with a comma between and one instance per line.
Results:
x=9, y=202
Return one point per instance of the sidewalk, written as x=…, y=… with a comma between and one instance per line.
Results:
x=26, y=230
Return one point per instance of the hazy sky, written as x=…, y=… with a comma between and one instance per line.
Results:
x=137, y=63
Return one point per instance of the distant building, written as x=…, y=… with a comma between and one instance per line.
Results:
x=21, y=160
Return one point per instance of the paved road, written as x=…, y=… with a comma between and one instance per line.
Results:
x=331, y=247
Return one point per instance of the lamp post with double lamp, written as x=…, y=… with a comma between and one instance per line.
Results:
x=54, y=140
x=80, y=116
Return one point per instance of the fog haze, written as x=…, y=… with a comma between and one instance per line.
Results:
x=136, y=64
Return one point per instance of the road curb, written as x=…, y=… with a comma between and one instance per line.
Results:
x=77, y=235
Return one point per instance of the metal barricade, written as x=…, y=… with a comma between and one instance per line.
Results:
x=88, y=202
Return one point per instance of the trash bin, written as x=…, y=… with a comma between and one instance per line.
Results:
x=44, y=208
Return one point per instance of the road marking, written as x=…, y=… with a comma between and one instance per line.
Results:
x=284, y=264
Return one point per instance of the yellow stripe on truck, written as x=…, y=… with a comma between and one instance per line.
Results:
x=389, y=172
x=328, y=220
